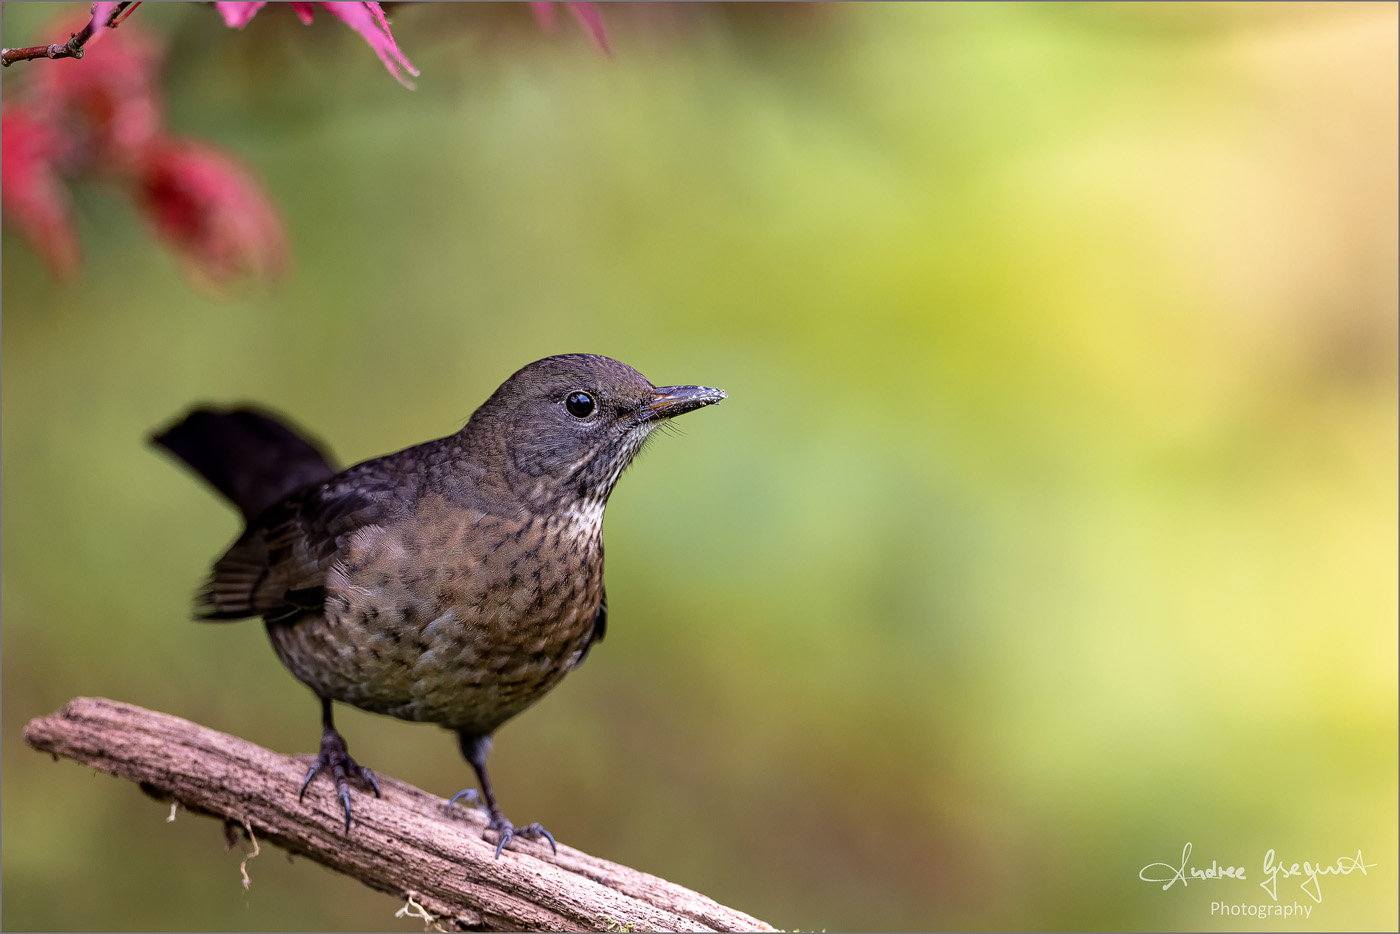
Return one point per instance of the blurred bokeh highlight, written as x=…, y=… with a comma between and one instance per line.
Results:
x=1050, y=525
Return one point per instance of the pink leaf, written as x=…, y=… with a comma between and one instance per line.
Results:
x=587, y=14
x=212, y=211
x=101, y=13
x=544, y=14
x=109, y=110
x=32, y=196
x=304, y=11
x=591, y=19
x=368, y=20
x=237, y=15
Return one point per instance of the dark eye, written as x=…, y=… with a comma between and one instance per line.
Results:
x=579, y=404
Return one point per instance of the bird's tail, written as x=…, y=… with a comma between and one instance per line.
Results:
x=251, y=457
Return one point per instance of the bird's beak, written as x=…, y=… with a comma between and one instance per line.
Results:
x=671, y=401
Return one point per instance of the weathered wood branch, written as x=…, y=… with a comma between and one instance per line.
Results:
x=403, y=844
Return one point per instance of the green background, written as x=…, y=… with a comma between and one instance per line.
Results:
x=1050, y=525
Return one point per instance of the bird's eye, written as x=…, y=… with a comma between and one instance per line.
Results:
x=579, y=404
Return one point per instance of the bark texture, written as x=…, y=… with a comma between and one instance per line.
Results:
x=403, y=844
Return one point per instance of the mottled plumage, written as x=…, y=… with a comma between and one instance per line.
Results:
x=454, y=582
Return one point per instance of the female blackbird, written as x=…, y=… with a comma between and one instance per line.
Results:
x=454, y=582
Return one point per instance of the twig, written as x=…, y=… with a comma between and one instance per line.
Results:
x=73, y=48
x=243, y=866
x=415, y=910
x=403, y=844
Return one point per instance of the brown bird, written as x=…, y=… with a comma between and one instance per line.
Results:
x=454, y=582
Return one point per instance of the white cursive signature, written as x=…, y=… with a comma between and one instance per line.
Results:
x=1170, y=875
x=1344, y=866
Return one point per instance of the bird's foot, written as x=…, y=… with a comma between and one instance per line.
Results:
x=335, y=759
x=506, y=832
x=504, y=829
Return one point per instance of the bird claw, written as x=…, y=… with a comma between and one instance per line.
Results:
x=470, y=794
x=499, y=825
x=336, y=759
x=509, y=832
x=345, y=803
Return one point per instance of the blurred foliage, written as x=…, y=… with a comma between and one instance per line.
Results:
x=1051, y=523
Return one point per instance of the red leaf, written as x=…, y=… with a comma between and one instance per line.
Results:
x=101, y=13
x=304, y=11
x=34, y=199
x=591, y=19
x=212, y=211
x=236, y=15
x=589, y=16
x=108, y=108
x=367, y=19
x=544, y=14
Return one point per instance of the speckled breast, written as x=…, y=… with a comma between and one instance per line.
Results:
x=452, y=616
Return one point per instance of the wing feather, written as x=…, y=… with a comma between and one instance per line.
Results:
x=278, y=567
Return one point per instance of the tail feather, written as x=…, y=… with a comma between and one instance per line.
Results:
x=250, y=457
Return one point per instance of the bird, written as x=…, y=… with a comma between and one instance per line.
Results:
x=454, y=582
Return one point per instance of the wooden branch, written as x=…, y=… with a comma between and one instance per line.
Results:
x=73, y=48
x=403, y=844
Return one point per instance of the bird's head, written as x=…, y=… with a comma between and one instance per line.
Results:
x=562, y=429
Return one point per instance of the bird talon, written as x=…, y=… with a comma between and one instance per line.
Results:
x=335, y=759
x=536, y=829
x=310, y=774
x=509, y=832
x=469, y=793
x=345, y=803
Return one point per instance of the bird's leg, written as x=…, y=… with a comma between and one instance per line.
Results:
x=475, y=748
x=336, y=757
